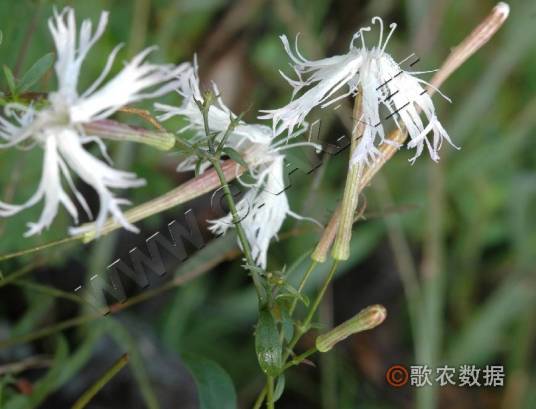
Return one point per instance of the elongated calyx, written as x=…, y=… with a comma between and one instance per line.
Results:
x=367, y=319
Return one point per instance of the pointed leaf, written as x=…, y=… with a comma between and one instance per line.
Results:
x=279, y=387
x=293, y=293
x=267, y=343
x=36, y=72
x=198, y=167
x=234, y=155
x=287, y=324
x=214, y=385
x=10, y=79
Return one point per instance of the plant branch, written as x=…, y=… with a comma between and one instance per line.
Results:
x=270, y=392
x=88, y=395
x=261, y=293
x=301, y=286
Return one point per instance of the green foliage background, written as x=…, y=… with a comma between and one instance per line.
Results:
x=465, y=226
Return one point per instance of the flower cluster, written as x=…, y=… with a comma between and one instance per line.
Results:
x=265, y=206
x=58, y=127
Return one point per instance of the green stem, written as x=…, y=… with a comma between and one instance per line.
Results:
x=303, y=328
x=270, y=393
x=260, y=398
x=83, y=401
x=52, y=329
x=240, y=231
x=302, y=285
x=38, y=248
x=205, y=108
x=300, y=358
x=51, y=291
x=17, y=274
x=328, y=363
x=225, y=136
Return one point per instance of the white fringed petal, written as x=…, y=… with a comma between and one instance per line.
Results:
x=19, y=127
x=219, y=117
x=57, y=128
x=70, y=52
x=63, y=147
x=126, y=88
x=49, y=190
x=383, y=83
x=264, y=206
x=262, y=211
x=325, y=78
x=100, y=177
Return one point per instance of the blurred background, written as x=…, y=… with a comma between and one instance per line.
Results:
x=448, y=248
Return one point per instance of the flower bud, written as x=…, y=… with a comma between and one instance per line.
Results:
x=367, y=319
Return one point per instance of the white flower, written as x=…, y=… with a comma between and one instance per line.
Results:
x=262, y=211
x=382, y=82
x=264, y=207
x=219, y=118
x=57, y=128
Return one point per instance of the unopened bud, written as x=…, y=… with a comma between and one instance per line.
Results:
x=367, y=319
x=208, y=98
x=120, y=132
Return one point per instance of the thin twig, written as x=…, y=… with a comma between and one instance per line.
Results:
x=261, y=293
x=115, y=308
x=88, y=395
x=32, y=362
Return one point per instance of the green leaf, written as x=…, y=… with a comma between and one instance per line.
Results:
x=198, y=165
x=267, y=343
x=279, y=387
x=10, y=79
x=36, y=72
x=214, y=385
x=287, y=324
x=234, y=155
x=293, y=293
